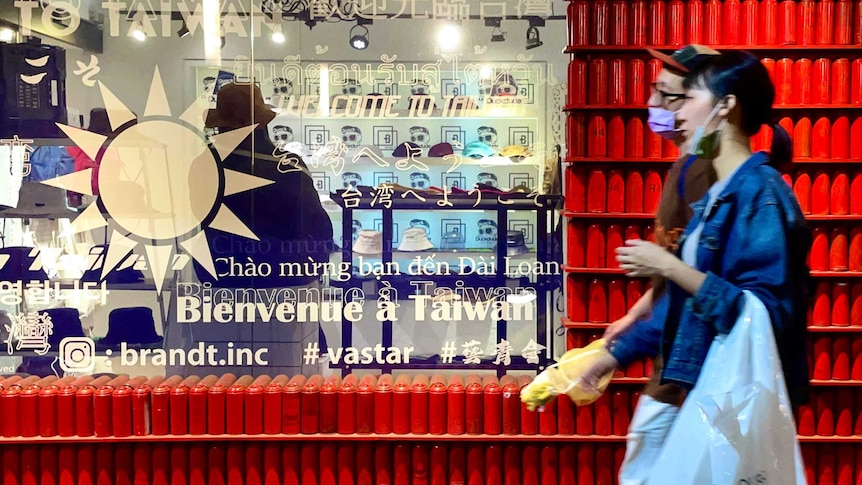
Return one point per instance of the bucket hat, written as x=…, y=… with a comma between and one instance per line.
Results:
x=239, y=104
x=368, y=242
x=414, y=239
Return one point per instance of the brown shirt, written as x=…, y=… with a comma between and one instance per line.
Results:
x=671, y=219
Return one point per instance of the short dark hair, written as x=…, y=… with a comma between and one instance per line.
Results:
x=741, y=74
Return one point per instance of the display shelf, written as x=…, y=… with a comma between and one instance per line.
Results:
x=836, y=274
x=830, y=439
x=579, y=270
x=828, y=217
x=835, y=329
x=835, y=383
x=579, y=49
x=576, y=160
x=806, y=160
x=777, y=107
x=567, y=323
x=609, y=215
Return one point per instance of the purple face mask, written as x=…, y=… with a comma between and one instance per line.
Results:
x=663, y=123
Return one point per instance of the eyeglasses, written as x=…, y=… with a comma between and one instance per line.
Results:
x=666, y=97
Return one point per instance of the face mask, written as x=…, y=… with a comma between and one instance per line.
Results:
x=662, y=122
x=706, y=146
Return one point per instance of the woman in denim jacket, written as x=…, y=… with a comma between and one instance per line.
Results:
x=747, y=233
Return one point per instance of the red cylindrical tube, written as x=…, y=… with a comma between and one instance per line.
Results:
x=825, y=413
x=604, y=463
x=843, y=22
x=614, y=241
x=597, y=137
x=787, y=22
x=548, y=465
x=576, y=135
x=807, y=422
x=841, y=305
x=291, y=405
x=635, y=88
x=141, y=409
x=616, y=192
x=840, y=199
x=821, y=81
x=841, y=358
x=652, y=191
x=841, y=141
x=712, y=36
x=634, y=192
x=102, y=411
x=419, y=405
x=821, y=139
x=364, y=463
x=576, y=188
x=844, y=416
x=586, y=463
x=122, y=410
x=617, y=84
x=329, y=404
x=841, y=81
x=616, y=137
x=328, y=462
x=511, y=406
x=801, y=92
x=529, y=419
x=694, y=22
x=437, y=405
x=235, y=405
x=616, y=300
x=825, y=31
x=576, y=299
x=65, y=410
x=272, y=411
x=579, y=23
x=577, y=242
x=603, y=419
x=731, y=20
x=347, y=409
x=179, y=410
x=838, y=249
x=806, y=27
x=309, y=463
x=598, y=309
x=578, y=82
x=596, y=251
x=85, y=420
x=600, y=23
x=822, y=358
x=638, y=22
x=821, y=314
x=854, y=261
x=856, y=194
x=748, y=23
x=161, y=418
x=857, y=25
x=802, y=191
x=767, y=19
x=365, y=404
x=493, y=406
x=634, y=138
x=856, y=351
x=619, y=17
x=253, y=409
x=47, y=400
x=675, y=23
x=784, y=81
x=656, y=30
x=512, y=459
x=401, y=404
x=856, y=81
x=473, y=405
x=456, y=406
x=598, y=84
x=802, y=138
x=310, y=405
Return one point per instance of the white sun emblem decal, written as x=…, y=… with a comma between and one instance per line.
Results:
x=159, y=182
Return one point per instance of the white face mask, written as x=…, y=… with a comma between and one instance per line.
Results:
x=704, y=145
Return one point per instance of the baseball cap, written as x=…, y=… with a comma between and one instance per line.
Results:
x=441, y=150
x=408, y=147
x=685, y=58
x=478, y=149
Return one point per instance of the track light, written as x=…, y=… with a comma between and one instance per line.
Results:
x=533, y=39
x=183, y=31
x=359, y=37
x=448, y=37
x=497, y=35
x=278, y=35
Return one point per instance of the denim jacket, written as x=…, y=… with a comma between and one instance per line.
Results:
x=754, y=238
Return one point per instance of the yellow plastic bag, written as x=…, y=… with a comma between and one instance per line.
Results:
x=564, y=377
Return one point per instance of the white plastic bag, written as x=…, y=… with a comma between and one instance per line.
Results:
x=736, y=426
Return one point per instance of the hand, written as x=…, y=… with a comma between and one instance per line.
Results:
x=600, y=368
x=618, y=327
x=643, y=258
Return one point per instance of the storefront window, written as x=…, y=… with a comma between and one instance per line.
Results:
x=263, y=187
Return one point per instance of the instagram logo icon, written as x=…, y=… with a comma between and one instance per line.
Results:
x=77, y=354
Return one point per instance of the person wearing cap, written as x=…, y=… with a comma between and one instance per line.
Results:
x=660, y=403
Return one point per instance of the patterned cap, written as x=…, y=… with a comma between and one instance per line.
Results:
x=685, y=58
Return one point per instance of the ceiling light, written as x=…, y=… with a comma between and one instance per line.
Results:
x=498, y=35
x=184, y=30
x=139, y=35
x=485, y=72
x=533, y=39
x=448, y=37
x=278, y=35
x=7, y=35
x=359, y=37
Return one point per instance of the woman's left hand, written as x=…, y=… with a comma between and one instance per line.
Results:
x=643, y=258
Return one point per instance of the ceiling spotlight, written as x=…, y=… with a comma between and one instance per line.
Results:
x=448, y=37
x=359, y=37
x=139, y=35
x=278, y=35
x=184, y=30
x=7, y=35
x=533, y=39
x=498, y=35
